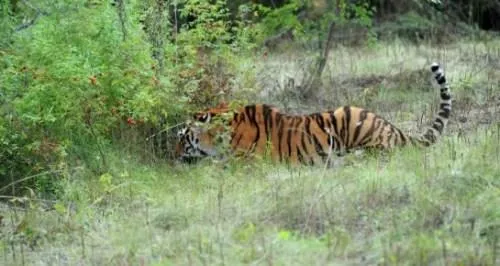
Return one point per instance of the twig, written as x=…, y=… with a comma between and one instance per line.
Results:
x=28, y=178
x=317, y=195
x=120, y=8
x=28, y=24
x=164, y=130
x=99, y=147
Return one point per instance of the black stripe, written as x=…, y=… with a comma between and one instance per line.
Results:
x=238, y=140
x=251, y=111
x=379, y=123
x=308, y=131
x=369, y=133
x=445, y=96
x=444, y=106
x=239, y=118
x=318, y=147
x=402, y=136
x=334, y=123
x=384, y=126
x=303, y=143
x=335, y=132
x=362, y=118
x=347, y=120
x=437, y=127
x=391, y=134
x=295, y=127
x=321, y=122
x=279, y=120
x=299, y=155
x=444, y=113
x=257, y=135
x=308, y=126
x=441, y=80
x=237, y=125
x=289, y=137
x=440, y=125
x=267, y=120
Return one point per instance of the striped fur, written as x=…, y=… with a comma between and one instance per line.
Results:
x=307, y=139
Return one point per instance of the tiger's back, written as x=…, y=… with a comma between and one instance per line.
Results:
x=263, y=129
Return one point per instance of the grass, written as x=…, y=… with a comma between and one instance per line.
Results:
x=436, y=206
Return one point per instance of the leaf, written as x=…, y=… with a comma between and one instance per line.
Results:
x=105, y=180
x=245, y=233
x=284, y=235
x=60, y=208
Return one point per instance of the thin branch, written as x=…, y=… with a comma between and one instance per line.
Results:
x=164, y=130
x=28, y=178
x=28, y=24
x=315, y=79
x=32, y=21
x=120, y=8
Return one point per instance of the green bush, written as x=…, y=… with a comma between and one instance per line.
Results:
x=83, y=71
x=68, y=80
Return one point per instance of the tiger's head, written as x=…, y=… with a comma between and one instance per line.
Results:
x=197, y=138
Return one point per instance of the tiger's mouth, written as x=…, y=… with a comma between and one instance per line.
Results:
x=195, y=153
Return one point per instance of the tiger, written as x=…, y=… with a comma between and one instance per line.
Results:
x=305, y=139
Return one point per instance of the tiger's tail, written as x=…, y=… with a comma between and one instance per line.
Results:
x=433, y=132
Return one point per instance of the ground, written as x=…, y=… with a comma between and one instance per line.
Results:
x=413, y=206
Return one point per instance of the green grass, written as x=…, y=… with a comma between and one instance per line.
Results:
x=436, y=206
x=414, y=206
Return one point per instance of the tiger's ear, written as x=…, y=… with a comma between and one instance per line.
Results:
x=203, y=117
